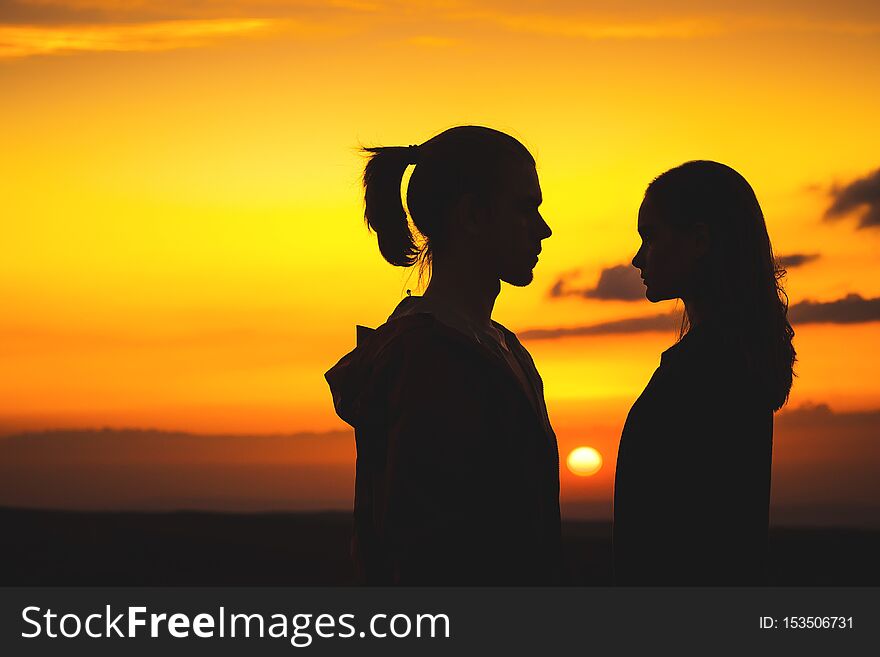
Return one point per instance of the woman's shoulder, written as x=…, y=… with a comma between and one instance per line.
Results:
x=711, y=366
x=705, y=347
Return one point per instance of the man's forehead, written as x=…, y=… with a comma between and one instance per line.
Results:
x=529, y=188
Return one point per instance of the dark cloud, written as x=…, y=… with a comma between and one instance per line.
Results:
x=813, y=415
x=623, y=283
x=851, y=309
x=651, y=324
x=862, y=194
x=618, y=283
x=135, y=445
x=80, y=468
x=825, y=463
x=796, y=259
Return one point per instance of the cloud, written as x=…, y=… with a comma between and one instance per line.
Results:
x=608, y=29
x=851, y=309
x=597, y=20
x=34, y=12
x=97, y=24
x=81, y=468
x=25, y=40
x=651, y=324
x=813, y=415
x=825, y=462
x=44, y=27
x=797, y=259
x=862, y=194
x=623, y=283
x=119, y=446
x=618, y=283
x=70, y=12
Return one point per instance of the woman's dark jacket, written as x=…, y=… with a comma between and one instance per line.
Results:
x=692, y=487
x=457, y=477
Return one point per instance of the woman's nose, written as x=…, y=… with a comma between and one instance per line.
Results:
x=637, y=259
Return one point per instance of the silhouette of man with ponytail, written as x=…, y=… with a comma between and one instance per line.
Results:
x=457, y=479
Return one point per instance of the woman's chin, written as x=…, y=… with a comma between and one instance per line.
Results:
x=654, y=296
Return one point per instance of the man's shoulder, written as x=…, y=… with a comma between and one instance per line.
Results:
x=513, y=341
x=422, y=338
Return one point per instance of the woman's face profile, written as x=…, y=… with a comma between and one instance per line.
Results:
x=667, y=257
x=517, y=227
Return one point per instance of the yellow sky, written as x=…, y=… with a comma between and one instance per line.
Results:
x=182, y=236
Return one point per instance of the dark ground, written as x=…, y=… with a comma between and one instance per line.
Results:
x=291, y=549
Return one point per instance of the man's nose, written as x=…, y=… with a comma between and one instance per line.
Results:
x=545, y=229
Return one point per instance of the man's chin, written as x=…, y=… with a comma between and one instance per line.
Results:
x=519, y=279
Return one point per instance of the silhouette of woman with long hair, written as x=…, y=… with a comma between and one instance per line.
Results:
x=457, y=477
x=692, y=488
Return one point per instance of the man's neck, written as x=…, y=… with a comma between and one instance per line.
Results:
x=463, y=294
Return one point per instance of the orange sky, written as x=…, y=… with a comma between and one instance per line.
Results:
x=182, y=237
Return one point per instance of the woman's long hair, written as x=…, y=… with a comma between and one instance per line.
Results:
x=465, y=160
x=740, y=283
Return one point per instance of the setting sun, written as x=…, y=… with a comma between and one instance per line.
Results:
x=584, y=461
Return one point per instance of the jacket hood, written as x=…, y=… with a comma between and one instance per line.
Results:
x=350, y=377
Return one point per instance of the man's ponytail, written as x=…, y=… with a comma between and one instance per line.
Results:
x=384, y=211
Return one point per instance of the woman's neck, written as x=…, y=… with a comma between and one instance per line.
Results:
x=698, y=312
